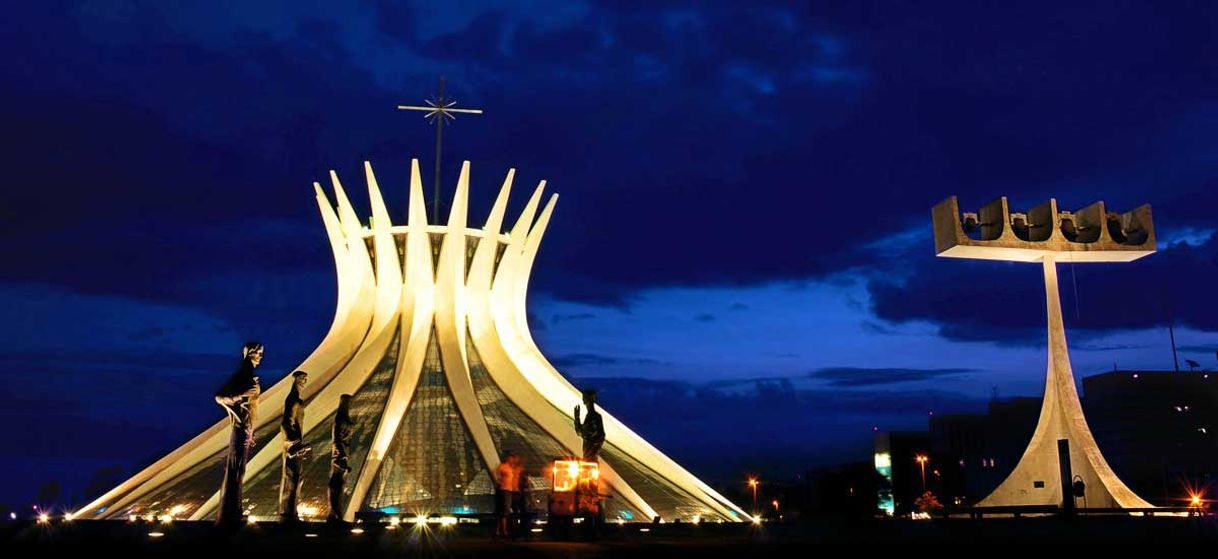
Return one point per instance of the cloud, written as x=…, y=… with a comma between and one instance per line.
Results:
x=49, y=319
x=536, y=323
x=1003, y=302
x=1209, y=349
x=823, y=107
x=560, y=318
x=861, y=377
x=1105, y=348
x=576, y=361
x=1193, y=236
x=879, y=328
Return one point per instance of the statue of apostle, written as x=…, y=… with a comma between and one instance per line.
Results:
x=591, y=429
x=294, y=450
x=338, y=457
x=239, y=398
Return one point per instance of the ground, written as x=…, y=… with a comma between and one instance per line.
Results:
x=186, y=539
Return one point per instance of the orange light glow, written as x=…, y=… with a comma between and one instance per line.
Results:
x=569, y=474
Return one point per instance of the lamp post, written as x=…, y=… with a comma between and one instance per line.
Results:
x=922, y=459
x=753, y=485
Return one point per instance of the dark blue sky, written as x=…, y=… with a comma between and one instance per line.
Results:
x=741, y=259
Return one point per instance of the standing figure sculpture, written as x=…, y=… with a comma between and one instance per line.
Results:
x=591, y=429
x=294, y=450
x=339, y=466
x=239, y=398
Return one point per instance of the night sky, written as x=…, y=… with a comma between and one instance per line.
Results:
x=741, y=258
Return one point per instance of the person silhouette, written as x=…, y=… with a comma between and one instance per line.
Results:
x=507, y=484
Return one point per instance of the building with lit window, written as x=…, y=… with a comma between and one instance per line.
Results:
x=973, y=453
x=430, y=338
x=897, y=463
x=847, y=490
x=1157, y=429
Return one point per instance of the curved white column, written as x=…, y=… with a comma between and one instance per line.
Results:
x=451, y=323
x=417, y=306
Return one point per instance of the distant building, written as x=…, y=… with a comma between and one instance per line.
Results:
x=849, y=490
x=1157, y=429
x=896, y=461
x=973, y=453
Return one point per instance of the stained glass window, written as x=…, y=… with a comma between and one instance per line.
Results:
x=190, y=489
x=668, y=500
x=432, y=464
x=618, y=508
x=514, y=431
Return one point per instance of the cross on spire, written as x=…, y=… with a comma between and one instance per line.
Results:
x=438, y=109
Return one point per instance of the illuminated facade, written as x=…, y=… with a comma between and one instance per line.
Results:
x=895, y=460
x=883, y=467
x=1044, y=235
x=431, y=339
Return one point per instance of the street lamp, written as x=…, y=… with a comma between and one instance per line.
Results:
x=753, y=485
x=922, y=459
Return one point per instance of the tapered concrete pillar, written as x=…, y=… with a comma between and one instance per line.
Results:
x=1036, y=480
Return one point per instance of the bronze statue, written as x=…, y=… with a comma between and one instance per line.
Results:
x=591, y=429
x=239, y=398
x=294, y=450
x=339, y=467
